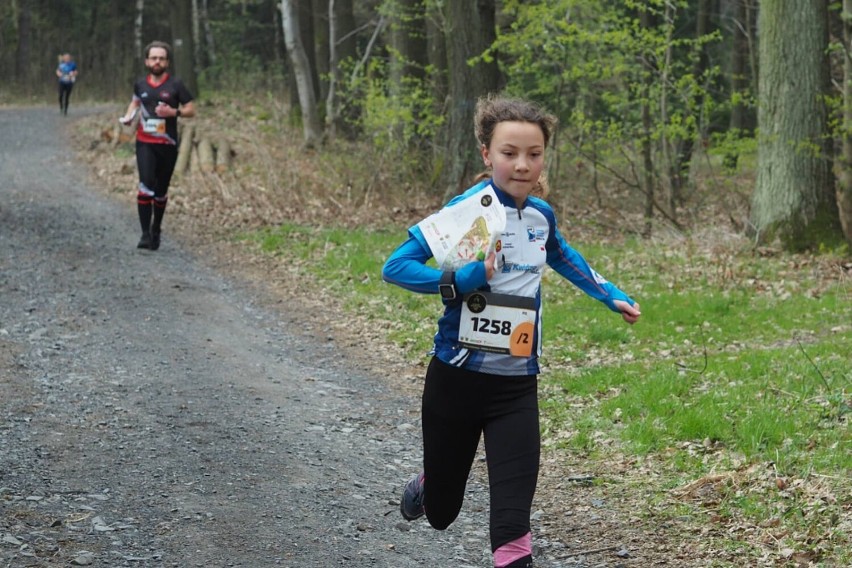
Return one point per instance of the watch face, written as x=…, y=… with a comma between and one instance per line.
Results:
x=448, y=292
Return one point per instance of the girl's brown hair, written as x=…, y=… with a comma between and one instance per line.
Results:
x=494, y=109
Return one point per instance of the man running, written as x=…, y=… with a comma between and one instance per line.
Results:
x=161, y=99
x=66, y=71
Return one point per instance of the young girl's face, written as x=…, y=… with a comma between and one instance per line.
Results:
x=516, y=156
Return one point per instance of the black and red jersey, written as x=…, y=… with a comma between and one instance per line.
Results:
x=171, y=91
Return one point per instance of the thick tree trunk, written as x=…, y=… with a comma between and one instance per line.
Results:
x=311, y=127
x=470, y=30
x=794, y=198
x=183, y=55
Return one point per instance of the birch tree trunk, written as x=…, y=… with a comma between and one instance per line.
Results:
x=334, y=74
x=311, y=127
x=794, y=198
x=137, y=29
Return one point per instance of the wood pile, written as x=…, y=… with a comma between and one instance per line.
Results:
x=196, y=152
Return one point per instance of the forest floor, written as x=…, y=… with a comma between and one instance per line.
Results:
x=587, y=513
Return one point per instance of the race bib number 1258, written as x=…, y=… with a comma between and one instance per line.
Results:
x=498, y=323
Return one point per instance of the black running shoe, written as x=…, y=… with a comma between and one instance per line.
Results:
x=144, y=242
x=155, y=241
x=411, y=505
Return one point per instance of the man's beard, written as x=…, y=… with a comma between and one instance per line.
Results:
x=156, y=70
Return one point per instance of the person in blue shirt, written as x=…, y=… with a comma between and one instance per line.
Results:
x=66, y=72
x=487, y=384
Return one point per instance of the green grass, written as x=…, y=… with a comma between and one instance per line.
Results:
x=740, y=363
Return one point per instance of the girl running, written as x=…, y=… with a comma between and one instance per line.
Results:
x=482, y=379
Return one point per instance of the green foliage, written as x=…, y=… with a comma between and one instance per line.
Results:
x=597, y=67
x=400, y=120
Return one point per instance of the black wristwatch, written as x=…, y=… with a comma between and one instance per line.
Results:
x=447, y=286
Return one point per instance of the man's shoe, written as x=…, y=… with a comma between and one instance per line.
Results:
x=411, y=505
x=155, y=241
x=144, y=242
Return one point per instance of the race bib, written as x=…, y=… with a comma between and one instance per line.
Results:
x=498, y=323
x=154, y=125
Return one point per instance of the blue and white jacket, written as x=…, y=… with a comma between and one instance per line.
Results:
x=530, y=241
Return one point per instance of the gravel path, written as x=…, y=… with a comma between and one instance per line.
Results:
x=154, y=412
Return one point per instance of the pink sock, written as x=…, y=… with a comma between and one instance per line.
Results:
x=512, y=551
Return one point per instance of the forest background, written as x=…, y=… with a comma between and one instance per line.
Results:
x=706, y=144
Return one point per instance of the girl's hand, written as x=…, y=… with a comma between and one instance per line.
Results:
x=629, y=313
x=489, y=265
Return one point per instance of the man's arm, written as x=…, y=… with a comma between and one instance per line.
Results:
x=187, y=110
x=131, y=111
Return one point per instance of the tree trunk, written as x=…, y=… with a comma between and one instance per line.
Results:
x=223, y=156
x=185, y=149
x=334, y=74
x=739, y=68
x=322, y=47
x=183, y=55
x=794, y=197
x=844, y=192
x=342, y=34
x=673, y=188
x=306, y=35
x=210, y=47
x=23, y=52
x=346, y=40
x=436, y=47
x=408, y=40
x=684, y=149
x=470, y=30
x=311, y=127
x=646, y=20
x=137, y=29
x=437, y=58
x=206, y=158
x=408, y=51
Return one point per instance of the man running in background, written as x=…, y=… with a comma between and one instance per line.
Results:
x=160, y=99
x=66, y=71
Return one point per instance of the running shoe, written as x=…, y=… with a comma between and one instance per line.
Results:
x=411, y=505
x=145, y=241
x=155, y=240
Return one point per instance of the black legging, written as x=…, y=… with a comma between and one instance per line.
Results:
x=64, y=95
x=458, y=405
x=156, y=164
